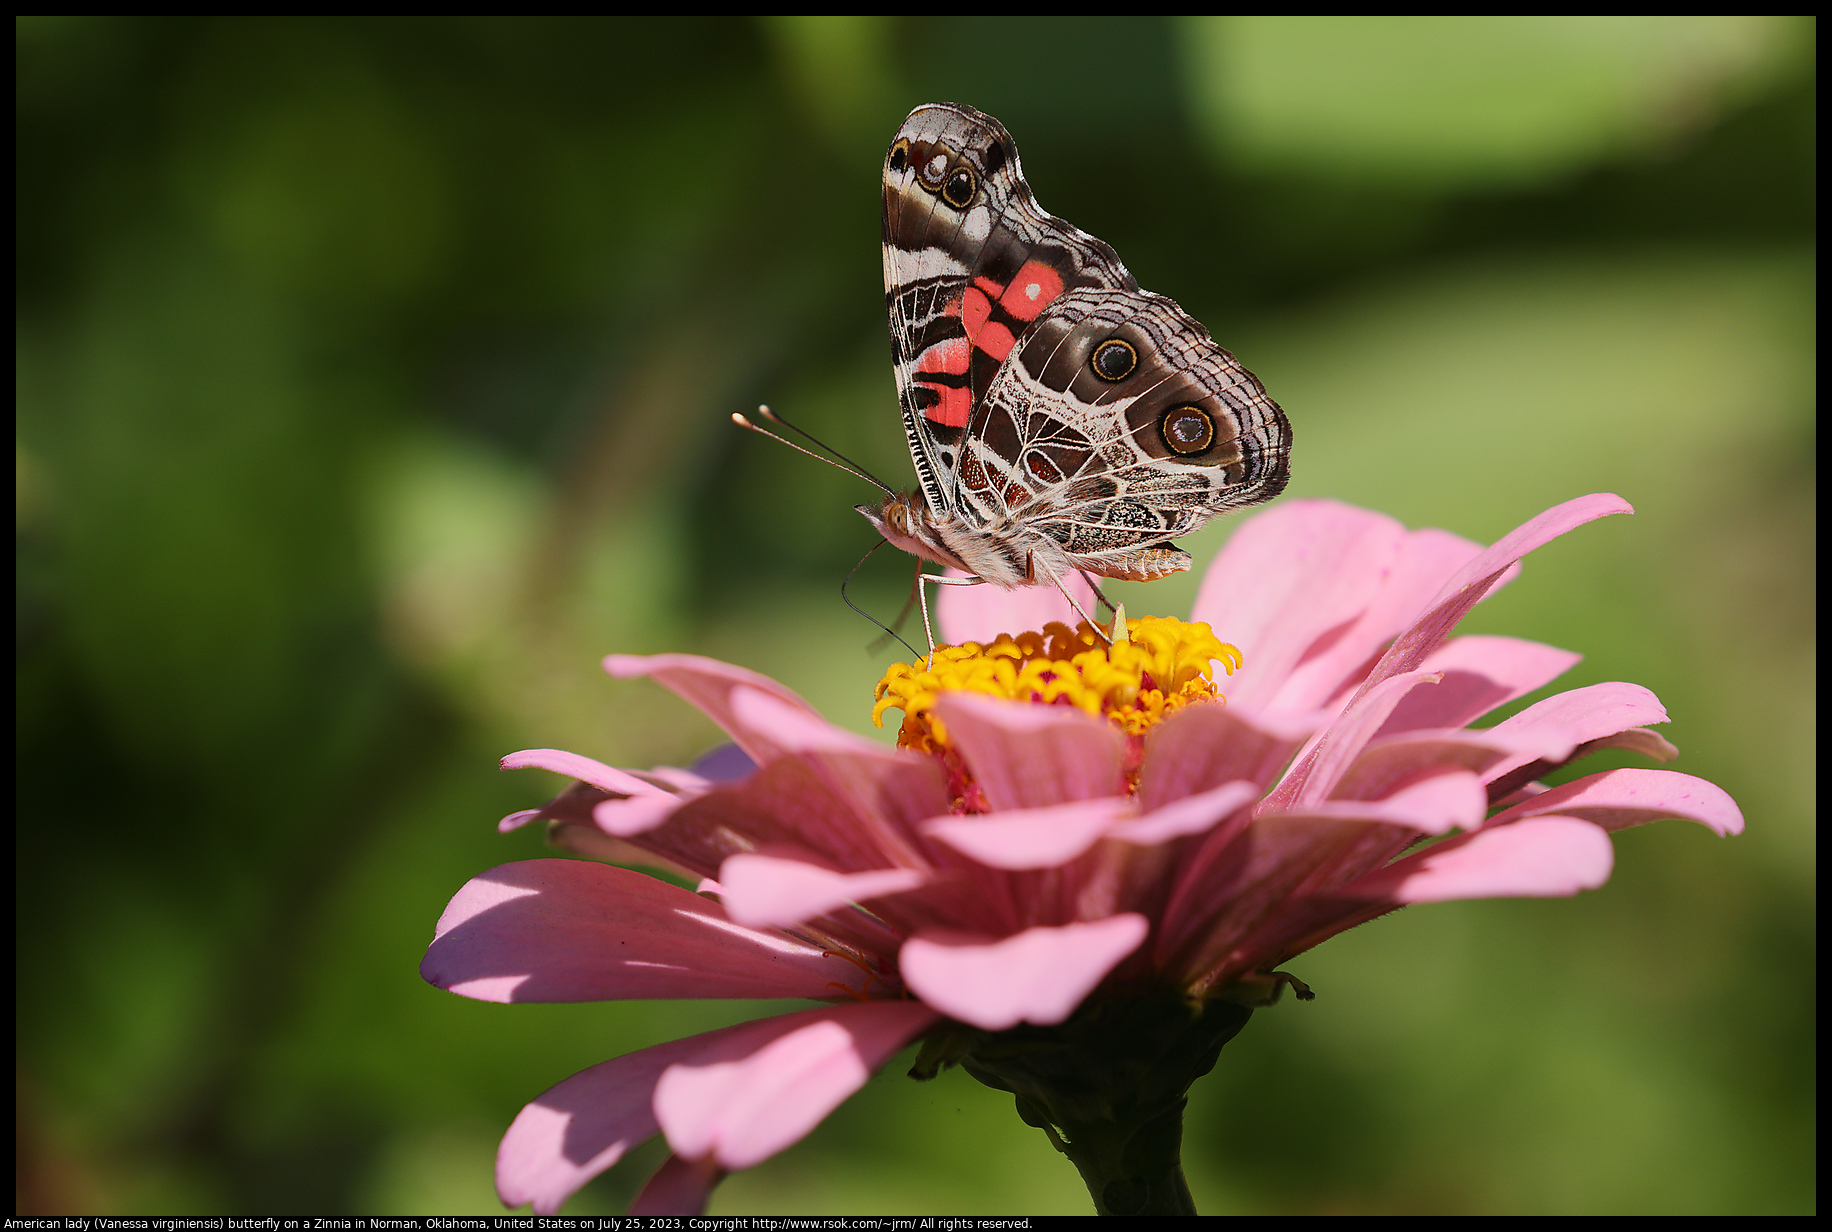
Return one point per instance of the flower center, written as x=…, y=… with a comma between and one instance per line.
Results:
x=1158, y=668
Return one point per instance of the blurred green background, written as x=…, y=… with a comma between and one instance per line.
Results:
x=373, y=380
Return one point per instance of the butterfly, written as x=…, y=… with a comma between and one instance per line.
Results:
x=1060, y=418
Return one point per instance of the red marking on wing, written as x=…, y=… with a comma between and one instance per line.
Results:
x=975, y=308
x=1035, y=286
x=996, y=341
x=950, y=355
x=954, y=409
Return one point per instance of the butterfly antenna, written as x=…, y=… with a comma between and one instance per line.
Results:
x=845, y=463
x=888, y=631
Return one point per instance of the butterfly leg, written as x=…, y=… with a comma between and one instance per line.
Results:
x=1095, y=587
x=1092, y=623
x=923, y=595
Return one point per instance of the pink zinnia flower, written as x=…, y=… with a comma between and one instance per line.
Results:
x=1078, y=901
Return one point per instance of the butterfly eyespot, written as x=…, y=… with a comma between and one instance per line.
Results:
x=1113, y=360
x=1186, y=430
x=958, y=191
x=900, y=156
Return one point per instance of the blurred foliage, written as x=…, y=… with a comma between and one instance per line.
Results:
x=372, y=382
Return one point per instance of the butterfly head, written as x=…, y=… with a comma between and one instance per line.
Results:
x=903, y=520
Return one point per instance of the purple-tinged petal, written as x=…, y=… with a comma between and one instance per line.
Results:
x=583, y=1125
x=981, y=613
x=516, y=820
x=1296, y=575
x=1542, y=857
x=1201, y=748
x=1618, y=799
x=678, y=1187
x=1190, y=815
x=1561, y=723
x=572, y=765
x=572, y=930
x=1480, y=673
x=1320, y=767
x=709, y=684
x=741, y=1110
x=760, y=889
x=1028, y=756
x=1030, y=838
x=1038, y=976
x=1481, y=575
x=724, y=763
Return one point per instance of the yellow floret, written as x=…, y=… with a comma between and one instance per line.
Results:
x=1161, y=666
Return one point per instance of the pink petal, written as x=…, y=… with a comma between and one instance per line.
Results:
x=1436, y=805
x=792, y=727
x=1475, y=579
x=678, y=1187
x=1025, y=755
x=1202, y=747
x=1393, y=761
x=981, y=613
x=1334, y=665
x=583, y=1125
x=1288, y=578
x=573, y=930
x=1190, y=815
x=740, y=1111
x=760, y=889
x=1542, y=857
x=1480, y=673
x=572, y=807
x=856, y=809
x=1562, y=722
x=1038, y=976
x=1333, y=750
x=709, y=684
x=1618, y=799
x=1030, y=838
x=1239, y=879
x=635, y=814
x=574, y=766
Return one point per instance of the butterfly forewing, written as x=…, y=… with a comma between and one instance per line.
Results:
x=1052, y=407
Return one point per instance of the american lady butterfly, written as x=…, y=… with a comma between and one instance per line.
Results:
x=1060, y=418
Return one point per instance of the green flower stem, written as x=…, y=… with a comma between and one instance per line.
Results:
x=1108, y=1087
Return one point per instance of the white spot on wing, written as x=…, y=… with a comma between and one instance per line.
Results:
x=928, y=263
